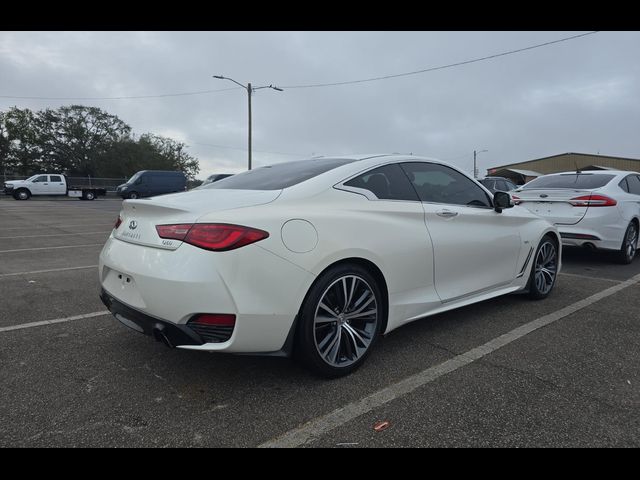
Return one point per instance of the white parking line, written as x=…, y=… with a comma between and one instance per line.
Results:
x=57, y=235
x=47, y=271
x=51, y=248
x=51, y=322
x=318, y=427
x=586, y=277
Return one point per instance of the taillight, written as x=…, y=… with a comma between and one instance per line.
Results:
x=218, y=237
x=516, y=200
x=175, y=232
x=215, y=319
x=593, y=201
x=213, y=327
x=118, y=223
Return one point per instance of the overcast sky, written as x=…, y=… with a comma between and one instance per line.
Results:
x=582, y=95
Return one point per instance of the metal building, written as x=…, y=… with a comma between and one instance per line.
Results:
x=522, y=172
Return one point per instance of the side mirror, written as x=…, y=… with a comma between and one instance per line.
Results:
x=502, y=200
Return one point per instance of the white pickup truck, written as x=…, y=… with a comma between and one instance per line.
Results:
x=50, y=184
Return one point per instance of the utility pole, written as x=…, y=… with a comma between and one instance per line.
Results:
x=475, y=165
x=475, y=168
x=249, y=146
x=249, y=90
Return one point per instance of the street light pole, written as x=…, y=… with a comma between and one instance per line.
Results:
x=249, y=90
x=475, y=165
x=249, y=145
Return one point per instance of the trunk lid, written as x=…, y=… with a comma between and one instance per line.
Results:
x=140, y=217
x=553, y=204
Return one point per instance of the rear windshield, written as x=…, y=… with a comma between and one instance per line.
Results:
x=570, y=180
x=279, y=176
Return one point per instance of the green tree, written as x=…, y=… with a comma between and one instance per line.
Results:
x=76, y=138
x=80, y=140
x=169, y=154
x=24, y=152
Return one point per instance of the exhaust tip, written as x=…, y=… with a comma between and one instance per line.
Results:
x=160, y=336
x=589, y=246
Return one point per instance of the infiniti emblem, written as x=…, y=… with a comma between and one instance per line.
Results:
x=133, y=224
x=544, y=195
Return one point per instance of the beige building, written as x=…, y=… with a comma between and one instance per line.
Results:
x=522, y=172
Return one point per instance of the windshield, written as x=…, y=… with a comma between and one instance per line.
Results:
x=134, y=178
x=282, y=175
x=570, y=180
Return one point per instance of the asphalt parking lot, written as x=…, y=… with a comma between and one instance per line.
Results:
x=506, y=372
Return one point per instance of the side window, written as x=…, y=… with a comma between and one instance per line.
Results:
x=56, y=178
x=624, y=185
x=501, y=186
x=634, y=184
x=490, y=184
x=41, y=179
x=510, y=185
x=386, y=183
x=440, y=184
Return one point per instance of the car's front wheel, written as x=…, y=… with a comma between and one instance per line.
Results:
x=545, y=269
x=22, y=194
x=133, y=195
x=340, y=321
x=629, y=244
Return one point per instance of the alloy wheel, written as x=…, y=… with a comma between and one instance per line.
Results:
x=631, y=241
x=345, y=321
x=546, y=267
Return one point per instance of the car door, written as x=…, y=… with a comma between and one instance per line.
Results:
x=475, y=249
x=40, y=185
x=405, y=249
x=57, y=185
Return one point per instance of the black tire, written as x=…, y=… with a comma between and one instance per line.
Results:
x=133, y=195
x=22, y=194
x=544, y=270
x=89, y=196
x=629, y=244
x=320, y=328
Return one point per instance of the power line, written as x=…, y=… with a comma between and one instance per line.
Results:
x=441, y=67
x=201, y=92
x=316, y=85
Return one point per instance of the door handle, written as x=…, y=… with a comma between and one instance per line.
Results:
x=446, y=213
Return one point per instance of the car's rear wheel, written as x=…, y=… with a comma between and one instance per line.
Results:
x=89, y=196
x=545, y=269
x=629, y=244
x=340, y=321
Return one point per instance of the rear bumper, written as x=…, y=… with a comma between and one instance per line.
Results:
x=603, y=232
x=262, y=290
x=169, y=333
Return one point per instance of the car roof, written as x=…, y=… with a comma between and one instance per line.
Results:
x=593, y=172
x=359, y=164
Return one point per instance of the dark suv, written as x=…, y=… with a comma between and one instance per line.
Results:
x=148, y=183
x=498, y=184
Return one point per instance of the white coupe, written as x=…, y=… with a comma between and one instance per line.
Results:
x=316, y=258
